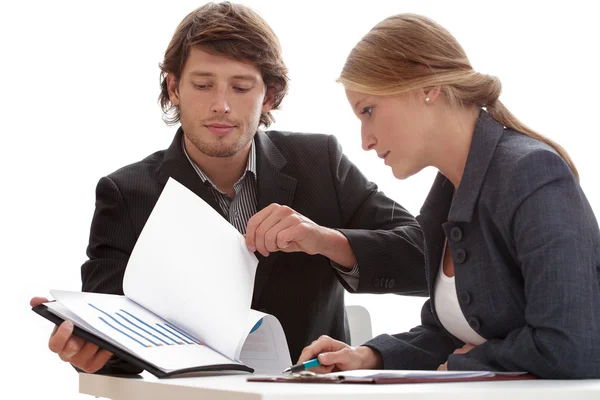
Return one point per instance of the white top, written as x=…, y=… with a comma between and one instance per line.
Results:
x=448, y=310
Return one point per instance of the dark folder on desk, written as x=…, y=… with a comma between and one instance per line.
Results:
x=129, y=357
x=396, y=377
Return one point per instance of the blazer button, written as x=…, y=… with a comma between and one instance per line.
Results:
x=456, y=234
x=391, y=283
x=464, y=297
x=376, y=283
x=460, y=255
x=474, y=323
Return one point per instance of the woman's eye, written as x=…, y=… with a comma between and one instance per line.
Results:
x=367, y=110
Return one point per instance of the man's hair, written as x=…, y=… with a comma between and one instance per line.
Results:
x=229, y=30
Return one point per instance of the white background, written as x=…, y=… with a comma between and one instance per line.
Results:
x=80, y=82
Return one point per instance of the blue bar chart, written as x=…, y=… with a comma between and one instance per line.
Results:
x=146, y=334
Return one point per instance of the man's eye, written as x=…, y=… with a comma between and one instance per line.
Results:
x=241, y=89
x=200, y=86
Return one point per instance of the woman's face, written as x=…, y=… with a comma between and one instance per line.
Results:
x=396, y=127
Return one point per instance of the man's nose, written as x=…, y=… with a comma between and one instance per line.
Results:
x=220, y=105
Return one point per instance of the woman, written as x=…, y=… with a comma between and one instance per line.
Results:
x=512, y=245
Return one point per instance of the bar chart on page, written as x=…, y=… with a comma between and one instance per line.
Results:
x=145, y=332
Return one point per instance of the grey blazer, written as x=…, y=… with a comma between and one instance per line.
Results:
x=526, y=251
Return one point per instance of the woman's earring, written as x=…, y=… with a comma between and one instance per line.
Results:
x=427, y=99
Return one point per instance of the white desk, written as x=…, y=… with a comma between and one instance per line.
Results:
x=235, y=387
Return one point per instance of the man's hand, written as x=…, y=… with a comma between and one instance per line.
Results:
x=279, y=228
x=338, y=356
x=82, y=354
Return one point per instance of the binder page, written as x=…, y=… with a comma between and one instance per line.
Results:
x=129, y=326
x=192, y=267
x=265, y=348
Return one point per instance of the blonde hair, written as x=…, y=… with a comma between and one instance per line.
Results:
x=408, y=52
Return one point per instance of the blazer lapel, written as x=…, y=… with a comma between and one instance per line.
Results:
x=486, y=136
x=433, y=214
x=440, y=206
x=273, y=186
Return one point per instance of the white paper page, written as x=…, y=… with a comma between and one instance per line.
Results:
x=58, y=309
x=192, y=267
x=265, y=349
x=129, y=326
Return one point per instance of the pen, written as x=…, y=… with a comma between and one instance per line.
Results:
x=302, y=366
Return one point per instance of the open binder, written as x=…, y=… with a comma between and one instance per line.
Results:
x=43, y=310
x=173, y=318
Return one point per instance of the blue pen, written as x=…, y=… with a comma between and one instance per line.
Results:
x=302, y=366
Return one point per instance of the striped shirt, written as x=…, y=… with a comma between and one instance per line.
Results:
x=242, y=207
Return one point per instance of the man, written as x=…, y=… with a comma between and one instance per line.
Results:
x=316, y=223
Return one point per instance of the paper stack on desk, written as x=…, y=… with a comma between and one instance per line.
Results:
x=385, y=377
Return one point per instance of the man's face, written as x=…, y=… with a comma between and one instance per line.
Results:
x=220, y=102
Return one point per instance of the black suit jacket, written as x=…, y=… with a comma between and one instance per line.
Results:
x=526, y=251
x=308, y=173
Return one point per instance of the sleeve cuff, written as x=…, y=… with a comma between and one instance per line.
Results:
x=354, y=272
